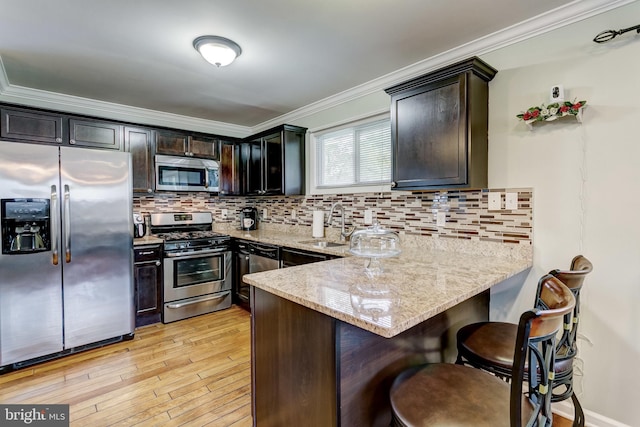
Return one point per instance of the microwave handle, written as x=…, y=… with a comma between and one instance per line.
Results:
x=206, y=177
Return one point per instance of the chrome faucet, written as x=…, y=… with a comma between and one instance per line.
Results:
x=344, y=235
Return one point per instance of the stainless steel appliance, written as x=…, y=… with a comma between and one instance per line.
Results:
x=249, y=218
x=66, y=263
x=139, y=227
x=187, y=174
x=252, y=257
x=197, y=264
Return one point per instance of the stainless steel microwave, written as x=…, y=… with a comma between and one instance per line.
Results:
x=186, y=174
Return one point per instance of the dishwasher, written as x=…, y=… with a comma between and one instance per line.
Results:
x=252, y=257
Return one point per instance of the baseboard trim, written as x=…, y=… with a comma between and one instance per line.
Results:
x=592, y=419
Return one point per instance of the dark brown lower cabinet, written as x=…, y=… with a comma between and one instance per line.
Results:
x=147, y=273
x=313, y=370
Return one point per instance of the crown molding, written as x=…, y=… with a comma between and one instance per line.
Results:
x=573, y=12
x=75, y=104
x=4, y=80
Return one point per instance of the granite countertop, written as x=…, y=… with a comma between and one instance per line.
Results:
x=287, y=238
x=427, y=278
x=415, y=286
x=147, y=240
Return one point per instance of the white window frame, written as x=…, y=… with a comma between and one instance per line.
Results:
x=312, y=166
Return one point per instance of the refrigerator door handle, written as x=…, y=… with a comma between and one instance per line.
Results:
x=67, y=225
x=55, y=224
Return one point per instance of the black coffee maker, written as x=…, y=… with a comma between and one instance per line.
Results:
x=139, y=227
x=249, y=218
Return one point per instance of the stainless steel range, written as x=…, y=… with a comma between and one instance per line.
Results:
x=197, y=264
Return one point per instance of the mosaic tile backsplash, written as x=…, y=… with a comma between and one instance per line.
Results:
x=409, y=214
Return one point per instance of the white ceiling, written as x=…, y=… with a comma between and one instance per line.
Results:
x=139, y=53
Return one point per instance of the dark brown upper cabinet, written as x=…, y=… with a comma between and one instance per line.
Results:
x=230, y=168
x=439, y=125
x=95, y=134
x=175, y=143
x=274, y=162
x=31, y=126
x=138, y=142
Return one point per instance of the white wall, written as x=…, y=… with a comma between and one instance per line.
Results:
x=585, y=179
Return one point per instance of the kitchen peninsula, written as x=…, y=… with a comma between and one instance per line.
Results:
x=328, y=339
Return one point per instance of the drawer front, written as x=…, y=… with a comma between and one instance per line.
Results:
x=147, y=253
x=293, y=257
x=178, y=310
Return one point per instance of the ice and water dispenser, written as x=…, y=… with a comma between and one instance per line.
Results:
x=26, y=225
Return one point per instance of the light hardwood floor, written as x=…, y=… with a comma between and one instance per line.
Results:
x=195, y=372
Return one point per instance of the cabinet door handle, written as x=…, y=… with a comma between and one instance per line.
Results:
x=394, y=184
x=158, y=263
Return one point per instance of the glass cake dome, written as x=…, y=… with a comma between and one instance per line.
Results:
x=375, y=242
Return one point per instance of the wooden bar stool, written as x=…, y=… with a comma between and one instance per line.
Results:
x=446, y=394
x=489, y=345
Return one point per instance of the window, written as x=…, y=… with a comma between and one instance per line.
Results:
x=355, y=155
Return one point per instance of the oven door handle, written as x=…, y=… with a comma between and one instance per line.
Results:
x=195, y=254
x=198, y=301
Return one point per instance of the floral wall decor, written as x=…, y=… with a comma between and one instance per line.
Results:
x=554, y=111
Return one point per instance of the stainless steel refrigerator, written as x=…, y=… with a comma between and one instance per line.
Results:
x=66, y=225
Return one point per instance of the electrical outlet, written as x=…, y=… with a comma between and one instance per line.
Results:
x=224, y=213
x=264, y=213
x=441, y=218
x=495, y=201
x=511, y=201
x=368, y=217
x=294, y=214
x=556, y=94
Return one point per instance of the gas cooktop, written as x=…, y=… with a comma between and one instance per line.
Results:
x=189, y=235
x=189, y=229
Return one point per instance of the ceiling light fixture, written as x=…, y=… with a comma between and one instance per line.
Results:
x=219, y=51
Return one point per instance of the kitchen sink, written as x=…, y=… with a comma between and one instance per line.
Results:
x=321, y=243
